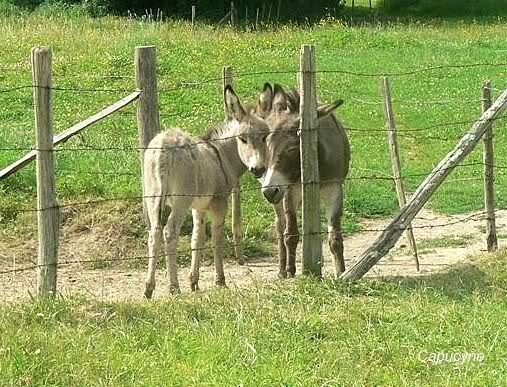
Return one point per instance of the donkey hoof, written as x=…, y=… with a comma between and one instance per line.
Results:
x=291, y=274
x=194, y=286
x=282, y=274
x=148, y=293
x=220, y=283
x=174, y=289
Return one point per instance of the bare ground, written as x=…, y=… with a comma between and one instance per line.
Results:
x=444, y=241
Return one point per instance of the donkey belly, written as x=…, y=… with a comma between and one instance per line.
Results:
x=201, y=203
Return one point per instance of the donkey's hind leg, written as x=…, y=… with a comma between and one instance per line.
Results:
x=218, y=211
x=198, y=239
x=154, y=205
x=171, y=236
x=334, y=199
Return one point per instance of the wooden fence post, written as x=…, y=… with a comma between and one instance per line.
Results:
x=236, y=192
x=193, y=17
x=148, y=119
x=234, y=20
x=489, y=179
x=257, y=20
x=394, y=230
x=312, y=245
x=392, y=142
x=47, y=206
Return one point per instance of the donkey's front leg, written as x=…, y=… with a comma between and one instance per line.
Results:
x=218, y=211
x=197, y=244
x=291, y=236
x=280, y=228
x=171, y=236
x=334, y=226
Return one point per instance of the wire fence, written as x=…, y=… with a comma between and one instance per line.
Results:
x=415, y=133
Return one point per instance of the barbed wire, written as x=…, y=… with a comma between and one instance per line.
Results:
x=223, y=193
x=407, y=133
x=471, y=218
x=186, y=84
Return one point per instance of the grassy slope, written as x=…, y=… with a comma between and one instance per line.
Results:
x=299, y=333
x=85, y=50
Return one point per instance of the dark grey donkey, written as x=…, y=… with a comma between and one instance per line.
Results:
x=274, y=158
x=182, y=172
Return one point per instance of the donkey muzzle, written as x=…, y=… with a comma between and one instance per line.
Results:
x=273, y=194
x=258, y=172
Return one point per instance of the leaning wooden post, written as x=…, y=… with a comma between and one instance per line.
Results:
x=489, y=179
x=392, y=142
x=236, y=192
x=47, y=206
x=312, y=245
x=394, y=230
x=148, y=119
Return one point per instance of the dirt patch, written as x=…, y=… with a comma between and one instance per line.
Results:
x=445, y=240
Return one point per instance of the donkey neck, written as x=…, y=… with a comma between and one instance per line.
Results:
x=225, y=145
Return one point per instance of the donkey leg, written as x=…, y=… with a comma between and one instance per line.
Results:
x=218, y=211
x=334, y=225
x=171, y=236
x=280, y=228
x=154, y=238
x=198, y=239
x=290, y=204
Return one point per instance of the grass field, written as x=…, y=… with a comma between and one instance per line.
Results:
x=301, y=333
x=291, y=333
x=98, y=54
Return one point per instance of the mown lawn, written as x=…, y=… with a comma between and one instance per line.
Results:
x=302, y=333
x=98, y=54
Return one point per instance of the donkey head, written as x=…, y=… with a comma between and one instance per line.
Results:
x=252, y=131
x=282, y=155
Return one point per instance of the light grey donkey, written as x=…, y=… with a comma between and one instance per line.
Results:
x=180, y=173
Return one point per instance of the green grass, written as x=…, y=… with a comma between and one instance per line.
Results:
x=87, y=52
x=302, y=333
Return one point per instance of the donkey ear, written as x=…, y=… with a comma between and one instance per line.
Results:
x=280, y=100
x=265, y=100
x=232, y=104
x=328, y=108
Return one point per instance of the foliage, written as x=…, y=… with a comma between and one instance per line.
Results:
x=446, y=8
x=212, y=9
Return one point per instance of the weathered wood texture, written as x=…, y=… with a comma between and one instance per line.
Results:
x=47, y=206
x=68, y=133
x=148, y=118
x=394, y=230
x=489, y=178
x=394, y=153
x=236, y=192
x=234, y=15
x=312, y=245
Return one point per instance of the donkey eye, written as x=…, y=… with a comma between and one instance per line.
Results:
x=242, y=139
x=264, y=138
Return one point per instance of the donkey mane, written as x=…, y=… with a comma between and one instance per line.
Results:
x=222, y=132
x=293, y=99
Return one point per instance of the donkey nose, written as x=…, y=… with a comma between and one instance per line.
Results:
x=258, y=172
x=272, y=194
